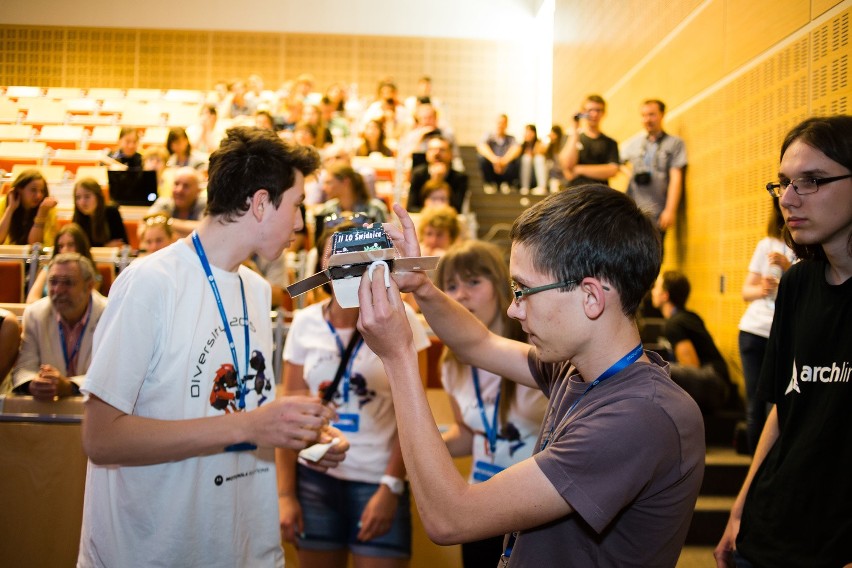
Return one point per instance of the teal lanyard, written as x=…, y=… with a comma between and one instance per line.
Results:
x=241, y=391
x=490, y=429
x=619, y=365
x=72, y=357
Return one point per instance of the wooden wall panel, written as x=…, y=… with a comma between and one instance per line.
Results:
x=597, y=43
x=102, y=58
x=819, y=7
x=689, y=63
x=32, y=56
x=238, y=55
x=736, y=80
x=752, y=26
x=830, y=58
x=173, y=60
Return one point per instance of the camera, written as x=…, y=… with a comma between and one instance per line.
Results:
x=642, y=178
x=580, y=115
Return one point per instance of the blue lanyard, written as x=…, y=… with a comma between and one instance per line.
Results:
x=490, y=430
x=69, y=358
x=342, y=350
x=241, y=402
x=619, y=365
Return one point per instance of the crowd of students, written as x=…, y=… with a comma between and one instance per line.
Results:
x=551, y=390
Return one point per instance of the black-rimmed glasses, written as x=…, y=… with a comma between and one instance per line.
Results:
x=802, y=186
x=519, y=292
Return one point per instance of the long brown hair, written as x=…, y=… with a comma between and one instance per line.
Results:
x=479, y=258
x=95, y=224
x=23, y=219
x=829, y=135
x=81, y=240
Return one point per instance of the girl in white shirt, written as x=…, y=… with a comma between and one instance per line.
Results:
x=496, y=420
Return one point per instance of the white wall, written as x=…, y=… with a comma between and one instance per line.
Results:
x=469, y=19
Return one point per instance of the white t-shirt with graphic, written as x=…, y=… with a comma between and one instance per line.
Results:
x=161, y=352
x=311, y=344
x=757, y=318
x=515, y=443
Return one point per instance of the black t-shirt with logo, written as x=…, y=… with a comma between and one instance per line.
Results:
x=798, y=511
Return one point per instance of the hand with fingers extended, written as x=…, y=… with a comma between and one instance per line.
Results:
x=293, y=422
x=406, y=243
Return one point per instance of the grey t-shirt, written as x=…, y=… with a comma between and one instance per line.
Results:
x=629, y=459
x=656, y=158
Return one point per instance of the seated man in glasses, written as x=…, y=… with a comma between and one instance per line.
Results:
x=58, y=330
x=620, y=457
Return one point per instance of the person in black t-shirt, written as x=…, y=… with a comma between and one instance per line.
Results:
x=589, y=155
x=793, y=509
x=699, y=369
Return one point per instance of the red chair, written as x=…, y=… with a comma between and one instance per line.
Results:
x=12, y=281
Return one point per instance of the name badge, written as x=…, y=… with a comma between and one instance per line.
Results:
x=347, y=422
x=483, y=471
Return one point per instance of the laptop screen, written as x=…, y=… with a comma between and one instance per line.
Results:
x=133, y=187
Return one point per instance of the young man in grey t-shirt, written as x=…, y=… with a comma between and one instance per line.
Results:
x=620, y=456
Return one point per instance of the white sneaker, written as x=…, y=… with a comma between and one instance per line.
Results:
x=505, y=189
x=539, y=191
x=525, y=191
x=489, y=188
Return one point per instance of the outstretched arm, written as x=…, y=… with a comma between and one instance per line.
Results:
x=517, y=498
x=111, y=437
x=458, y=329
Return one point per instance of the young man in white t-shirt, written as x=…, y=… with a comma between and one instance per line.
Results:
x=182, y=419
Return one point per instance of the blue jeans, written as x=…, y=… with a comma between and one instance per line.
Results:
x=331, y=511
x=752, y=349
x=510, y=175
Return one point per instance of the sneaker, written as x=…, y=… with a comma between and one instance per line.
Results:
x=489, y=188
x=525, y=191
x=505, y=189
x=539, y=191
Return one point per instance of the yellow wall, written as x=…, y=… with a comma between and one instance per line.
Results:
x=736, y=76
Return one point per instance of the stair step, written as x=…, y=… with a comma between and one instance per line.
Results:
x=724, y=471
x=709, y=520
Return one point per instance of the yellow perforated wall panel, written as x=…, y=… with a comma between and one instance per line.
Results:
x=737, y=76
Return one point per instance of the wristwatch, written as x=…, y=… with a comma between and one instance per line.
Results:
x=395, y=484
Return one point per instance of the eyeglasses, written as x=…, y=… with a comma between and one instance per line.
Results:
x=520, y=292
x=802, y=186
x=59, y=281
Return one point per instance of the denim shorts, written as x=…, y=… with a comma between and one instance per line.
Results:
x=331, y=510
